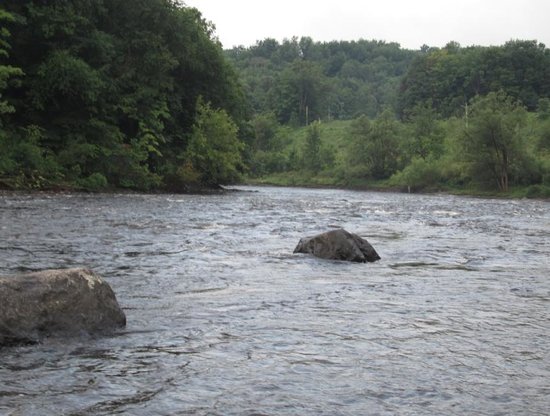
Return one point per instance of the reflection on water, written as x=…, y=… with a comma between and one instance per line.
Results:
x=224, y=319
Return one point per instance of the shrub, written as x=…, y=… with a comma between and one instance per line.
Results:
x=538, y=191
x=419, y=174
x=94, y=182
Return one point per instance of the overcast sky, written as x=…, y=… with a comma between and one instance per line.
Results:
x=410, y=23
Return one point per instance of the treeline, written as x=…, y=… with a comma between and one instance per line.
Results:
x=451, y=118
x=300, y=80
x=139, y=94
x=115, y=93
x=343, y=80
x=449, y=78
x=499, y=146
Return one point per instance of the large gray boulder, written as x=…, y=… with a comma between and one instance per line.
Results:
x=65, y=302
x=338, y=245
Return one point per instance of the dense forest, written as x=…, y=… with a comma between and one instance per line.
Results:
x=335, y=80
x=138, y=94
x=124, y=93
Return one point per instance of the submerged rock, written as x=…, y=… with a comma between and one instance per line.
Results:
x=338, y=245
x=64, y=302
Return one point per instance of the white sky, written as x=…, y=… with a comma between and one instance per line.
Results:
x=409, y=23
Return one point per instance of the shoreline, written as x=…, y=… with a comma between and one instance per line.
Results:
x=515, y=194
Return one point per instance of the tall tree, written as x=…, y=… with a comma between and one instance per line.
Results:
x=214, y=151
x=425, y=137
x=6, y=71
x=312, y=149
x=492, y=141
x=301, y=92
x=375, y=146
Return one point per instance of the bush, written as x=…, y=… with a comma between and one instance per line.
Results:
x=418, y=175
x=94, y=182
x=25, y=161
x=538, y=191
x=269, y=162
x=214, y=150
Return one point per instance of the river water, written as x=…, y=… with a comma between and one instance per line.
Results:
x=224, y=320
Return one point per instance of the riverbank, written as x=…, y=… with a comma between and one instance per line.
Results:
x=290, y=179
x=7, y=186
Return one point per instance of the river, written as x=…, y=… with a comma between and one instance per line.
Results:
x=224, y=320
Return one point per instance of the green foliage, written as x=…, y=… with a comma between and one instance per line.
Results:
x=419, y=174
x=492, y=141
x=267, y=146
x=544, y=135
x=64, y=80
x=24, y=162
x=424, y=135
x=6, y=71
x=312, y=149
x=111, y=85
x=538, y=191
x=335, y=80
x=105, y=93
x=266, y=129
x=374, y=150
x=94, y=182
x=214, y=150
x=351, y=149
x=436, y=93
x=269, y=162
x=448, y=78
x=300, y=93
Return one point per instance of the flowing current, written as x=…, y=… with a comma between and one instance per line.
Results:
x=224, y=320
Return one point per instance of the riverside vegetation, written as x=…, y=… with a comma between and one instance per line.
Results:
x=140, y=95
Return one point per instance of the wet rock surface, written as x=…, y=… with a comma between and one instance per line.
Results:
x=62, y=302
x=338, y=245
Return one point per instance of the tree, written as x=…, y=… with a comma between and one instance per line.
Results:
x=301, y=92
x=492, y=141
x=6, y=71
x=8, y=164
x=425, y=137
x=543, y=118
x=312, y=149
x=265, y=127
x=374, y=150
x=213, y=155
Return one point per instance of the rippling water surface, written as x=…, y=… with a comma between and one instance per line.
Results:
x=224, y=320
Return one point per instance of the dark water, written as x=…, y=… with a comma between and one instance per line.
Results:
x=224, y=320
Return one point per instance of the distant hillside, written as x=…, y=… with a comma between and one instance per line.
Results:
x=370, y=113
x=300, y=80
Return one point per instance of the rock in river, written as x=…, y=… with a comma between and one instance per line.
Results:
x=66, y=302
x=338, y=245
